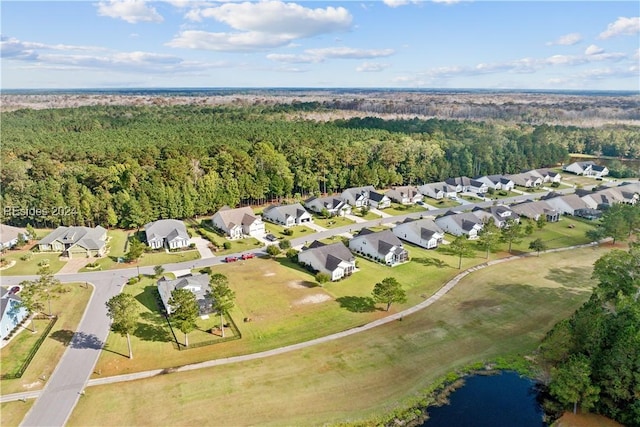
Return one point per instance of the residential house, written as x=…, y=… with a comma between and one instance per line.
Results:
x=196, y=283
x=382, y=246
x=547, y=175
x=334, y=205
x=287, y=215
x=497, y=182
x=467, y=185
x=536, y=209
x=603, y=199
x=405, y=195
x=588, y=213
x=168, y=233
x=238, y=223
x=83, y=241
x=379, y=200
x=12, y=312
x=460, y=224
x=566, y=204
x=438, y=190
x=9, y=236
x=526, y=179
x=499, y=214
x=335, y=259
x=421, y=232
x=588, y=168
x=357, y=196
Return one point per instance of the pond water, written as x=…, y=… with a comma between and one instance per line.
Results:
x=499, y=400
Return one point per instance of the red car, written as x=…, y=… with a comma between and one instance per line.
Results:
x=248, y=256
x=231, y=259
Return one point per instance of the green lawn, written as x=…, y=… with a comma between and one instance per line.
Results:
x=398, y=209
x=14, y=412
x=442, y=203
x=117, y=248
x=333, y=222
x=368, y=216
x=30, y=266
x=499, y=196
x=278, y=231
x=69, y=307
x=505, y=309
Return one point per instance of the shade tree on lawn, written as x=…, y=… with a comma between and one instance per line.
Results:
x=489, y=237
x=389, y=291
x=184, y=311
x=460, y=247
x=538, y=245
x=122, y=309
x=223, y=297
x=512, y=232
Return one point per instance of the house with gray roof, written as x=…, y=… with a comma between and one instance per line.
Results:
x=438, y=190
x=467, y=185
x=287, y=215
x=566, y=204
x=603, y=199
x=497, y=182
x=196, y=283
x=334, y=205
x=405, y=195
x=82, y=241
x=169, y=233
x=12, y=312
x=499, y=214
x=334, y=259
x=382, y=246
x=421, y=232
x=587, y=168
x=526, y=179
x=535, y=209
x=9, y=236
x=460, y=224
x=238, y=223
x=365, y=196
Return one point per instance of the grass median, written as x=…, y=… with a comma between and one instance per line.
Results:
x=504, y=309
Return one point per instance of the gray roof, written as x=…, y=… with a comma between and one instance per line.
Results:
x=532, y=209
x=169, y=229
x=199, y=284
x=425, y=227
x=89, y=238
x=330, y=256
x=239, y=216
x=295, y=210
x=465, y=220
x=384, y=241
x=9, y=233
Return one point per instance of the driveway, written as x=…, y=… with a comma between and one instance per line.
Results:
x=75, y=264
x=314, y=227
x=203, y=247
x=380, y=213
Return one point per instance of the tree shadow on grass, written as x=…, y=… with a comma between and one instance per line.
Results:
x=148, y=298
x=357, y=304
x=155, y=330
x=434, y=262
x=571, y=277
x=63, y=335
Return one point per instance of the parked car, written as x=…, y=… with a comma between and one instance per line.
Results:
x=270, y=237
x=248, y=256
x=231, y=259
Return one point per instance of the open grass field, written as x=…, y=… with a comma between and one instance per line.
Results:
x=12, y=413
x=398, y=209
x=30, y=266
x=69, y=307
x=505, y=309
x=333, y=222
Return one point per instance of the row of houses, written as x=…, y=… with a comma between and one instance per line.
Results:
x=588, y=168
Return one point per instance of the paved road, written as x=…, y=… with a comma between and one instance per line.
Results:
x=57, y=400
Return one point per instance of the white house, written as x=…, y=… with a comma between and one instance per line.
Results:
x=421, y=232
x=238, y=223
x=536, y=209
x=334, y=205
x=169, y=233
x=405, y=195
x=12, y=312
x=357, y=196
x=287, y=215
x=465, y=184
x=526, y=179
x=334, y=259
x=379, y=200
x=438, y=190
x=9, y=236
x=460, y=224
x=198, y=284
x=497, y=182
x=383, y=246
x=566, y=204
x=83, y=241
x=588, y=168
x=499, y=214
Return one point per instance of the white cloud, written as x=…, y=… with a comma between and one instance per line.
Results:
x=293, y=58
x=593, y=50
x=349, y=53
x=622, y=26
x=131, y=11
x=395, y=3
x=447, y=1
x=228, y=42
x=372, y=67
x=566, y=40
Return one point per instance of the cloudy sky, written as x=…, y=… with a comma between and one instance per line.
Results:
x=271, y=43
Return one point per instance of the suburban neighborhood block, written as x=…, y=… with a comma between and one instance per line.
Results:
x=82, y=241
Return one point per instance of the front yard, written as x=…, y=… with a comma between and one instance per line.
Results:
x=333, y=222
x=398, y=209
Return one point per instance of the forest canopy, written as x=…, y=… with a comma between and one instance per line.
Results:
x=124, y=166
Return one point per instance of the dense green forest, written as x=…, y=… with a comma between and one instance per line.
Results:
x=593, y=358
x=125, y=166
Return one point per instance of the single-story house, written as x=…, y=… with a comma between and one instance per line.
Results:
x=335, y=259
x=536, y=209
x=460, y=223
x=196, y=283
x=465, y=184
x=334, y=205
x=238, y=223
x=526, y=179
x=9, y=236
x=588, y=213
x=379, y=200
x=438, y=190
x=83, y=241
x=566, y=204
x=357, y=196
x=287, y=215
x=603, y=199
x=169, y=233
x=421, y=232
x=588, y=168
x=405, y=195
x=497, y=182
x=547, y=175
x=499, y=214
x=12, y=312
x=383, y=246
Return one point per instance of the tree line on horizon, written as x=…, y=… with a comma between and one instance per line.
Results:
x=126, y=166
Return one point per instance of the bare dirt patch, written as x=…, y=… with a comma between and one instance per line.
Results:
x=313, y=299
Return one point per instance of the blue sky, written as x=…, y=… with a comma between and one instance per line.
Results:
x=392, y=43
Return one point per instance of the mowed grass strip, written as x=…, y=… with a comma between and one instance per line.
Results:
x=505, y=309
x=12, y=413
x=69, y=307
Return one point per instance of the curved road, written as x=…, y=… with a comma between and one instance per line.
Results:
x=65, y=386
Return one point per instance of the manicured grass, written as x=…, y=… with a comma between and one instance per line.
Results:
x=13, y=412
x=69, y=307
x=278, y=231
x=498, y=196
x=505, y=309
x=333, y=222
x=162, y=257
x=30, y=267
x=368, y=216
x=442, y=203
x=117, y=248
x=241, y=245
x=398, y=209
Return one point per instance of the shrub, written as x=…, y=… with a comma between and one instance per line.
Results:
x=284, y=244
x=133, y=280
x=273, y=250
x=288, y=232
x=43, y=263
x=322, y=278
x=555, y=184
x=292, y=254
x=226, y=245
x=27, y=256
